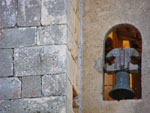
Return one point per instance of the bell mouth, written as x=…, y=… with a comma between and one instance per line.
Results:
x=121, y=94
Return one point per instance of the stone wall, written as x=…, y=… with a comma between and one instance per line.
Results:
x=38, y=55
x=99, y=17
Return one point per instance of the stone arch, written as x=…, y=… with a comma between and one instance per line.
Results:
x=120, y=25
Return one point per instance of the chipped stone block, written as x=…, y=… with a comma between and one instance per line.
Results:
x=31, y=86
x=40, y=60
x=53, y=12
x=34, y=105
x=56, y=34
x=17, y=37
x=29, y=12
x=10, y=88
x=54, y=85
x=8, y=13
x=6, y=62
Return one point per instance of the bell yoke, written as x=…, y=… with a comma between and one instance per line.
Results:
x=122, y=67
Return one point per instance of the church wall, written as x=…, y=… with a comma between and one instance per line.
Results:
x=99, y=17
x=38, y=55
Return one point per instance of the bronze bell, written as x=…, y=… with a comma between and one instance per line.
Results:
x=122, y=88
x=122, y=66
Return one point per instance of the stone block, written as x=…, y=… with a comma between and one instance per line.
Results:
x=40, y=60
x=34, y=105
x=72, y=70
x=17, y=37
x=77, y=29
x=77, y=9
x=56, y=34
x=73, y=3
x=10, y=88
x=29, y=12
x=53, y=12
x=54, y=85
x=8, y=13
x=72, y=46
x=31, y=86
x=71, y=19
x=69, y=97
x=6, y=62
x=73, y=23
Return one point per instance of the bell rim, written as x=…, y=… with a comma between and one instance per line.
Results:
x=130, y=92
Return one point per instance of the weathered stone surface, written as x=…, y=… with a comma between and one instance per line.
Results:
x=31, y=86
x=72, y=46
x=99, y=65
x=8, y=13
x=10, y=88
x=6, y=62
x=36, y=105
x=29, y=12
x=78, y=9
x=53, y=12
x=54, y=85
x=73, y=3
x=56, y=34
x=72, y=71
x=71, y=18
x=73, y=22
x=40, y=60
x=77, y=29
x=69, y=97
x=17, y=37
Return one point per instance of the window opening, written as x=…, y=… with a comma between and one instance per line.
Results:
x=123, y=36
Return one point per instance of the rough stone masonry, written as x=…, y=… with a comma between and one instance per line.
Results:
x=38, y=55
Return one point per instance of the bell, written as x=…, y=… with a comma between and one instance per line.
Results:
x=122, y=88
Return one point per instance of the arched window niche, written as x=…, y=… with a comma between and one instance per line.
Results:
x=123, y=36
